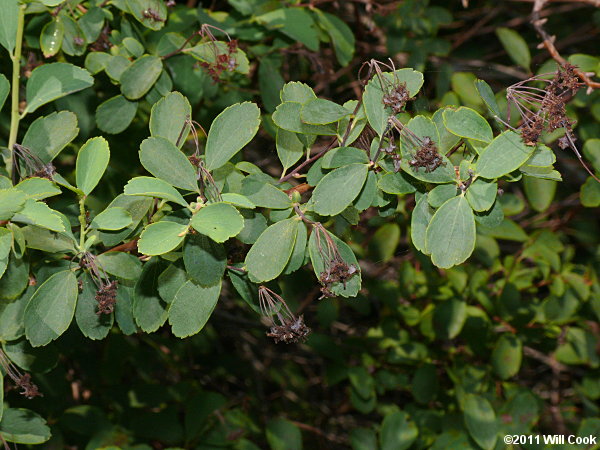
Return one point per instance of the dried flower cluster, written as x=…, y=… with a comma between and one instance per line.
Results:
x=286, y=327
x=336, y=270
x=21, y=380
x=26, y=165
x=106, y=294
x=396, y=97
x=424, y=151
x=544, y=109
x=222, y=61
x=427, y=156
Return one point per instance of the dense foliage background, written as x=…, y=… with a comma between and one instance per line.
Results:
x=423, y=356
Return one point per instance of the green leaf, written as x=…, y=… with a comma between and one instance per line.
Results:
x=488, y=97
x=38, y=213
x=139, y=77
x=11, y=202
x=505, y=153
x=272, y=250
x=8, y=24
x=192, y=307
x=539, y=192
x=91, y=24
x=154, y=187
x=481, y=194
x=50, y=310
x=139, y=10
x=48, y=241
x=283, y=435
x=6, y=241
x=368, y=193
x=468, y=123
x=119, y=264
x=51, y=38
x=319, y=111
x=169, y=117
x=441, y=194
x=299, y=252
x=92, y=325
x=218, y=221
x=264, y=194
x=396, y=183
x=447, y=140
x=115, y=66
x=161, y=237
x=149, y=310
x=237, y=200
x=137, y=206
x=48, y=135
x=343, y=156
x=287, y=116
x=96, y=62
x=297, y=23
x=338, y=189
x=450, y=235
x=73, y=41
x=506, y=356
x=169, y=282
x=340, y=34
x=377, y=112
x=133, y=47
x=463, y=84
x=590, y=193
x=205, y=260
x=398, y=432
x=92, y=161
x=425, y=384
x=115, y=114
x=23, y=426
x=270, y=82
x=352, y=285
x=38, y=188
x=51, y=81
x=515, y=46
x=4, y=89
x=480, y=420
x=297, y=92
x=449, y=318
x=384, y=242
x=421, y=216
x=164, y=160
x=15, y=278
x=112, y=219
x=230, y=132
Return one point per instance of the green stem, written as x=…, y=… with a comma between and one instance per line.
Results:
x=16, y=73
x=82, y=222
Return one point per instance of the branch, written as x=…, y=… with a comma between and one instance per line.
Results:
x=548, y=41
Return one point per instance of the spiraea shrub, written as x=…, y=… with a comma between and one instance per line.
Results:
x=258, y=224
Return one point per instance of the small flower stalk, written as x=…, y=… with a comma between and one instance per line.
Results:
x=106, y=294
x=285, y=327
x=336, y=270
x=21, y=380
x=26, y=165
x=208, y=187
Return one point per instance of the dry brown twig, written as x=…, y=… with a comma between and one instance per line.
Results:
x=548, y=41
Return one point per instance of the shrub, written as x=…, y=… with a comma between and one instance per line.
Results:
x=361, y=251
